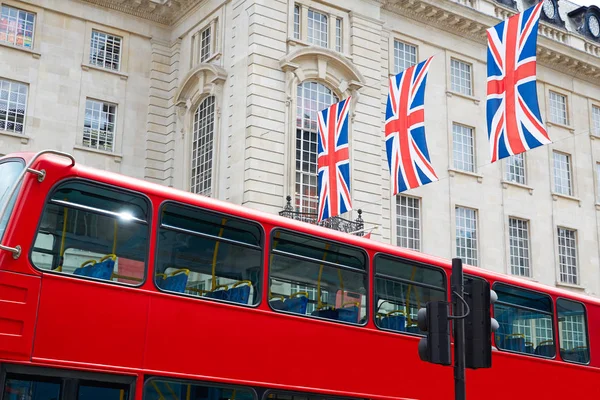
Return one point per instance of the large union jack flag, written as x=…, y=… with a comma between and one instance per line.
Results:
x=407, y=153
x=333, y=183
x=513, y=113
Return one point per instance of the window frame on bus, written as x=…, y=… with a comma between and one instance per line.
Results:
x=407, y=261
x=200, y=208
x=10, y=207
x=70, y=379
x=366, y=271
x=148, y=222
x=553, y=317
x=306, y=395
x=214, y=384
x=586, y=326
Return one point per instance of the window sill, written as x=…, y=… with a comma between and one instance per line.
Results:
x=87, y=67
x=506, y=183
x=298, y=42
x=451, y=93
x=569, y=285
x=24, y=138
x=556, y=196
x=567, y=127
x=34, y=54
x=117, y=156
x=453, y=171
x=213, y=57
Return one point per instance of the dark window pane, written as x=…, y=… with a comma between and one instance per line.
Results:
x=19, y=387
x=102, y=391
x=572, y=331
x=155, y=389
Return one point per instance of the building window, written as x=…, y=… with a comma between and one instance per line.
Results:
x=312, y=98
x=464, y=148
x=466, y=235
x=405, y=56
x=558, y=108
x=408, y=227
x=99, y=125
x=205, y=41
x=338, y=34
x=598, y=182
x=105, y=51
x=596, y=120
x=518, y=230
x=17, y=27
x=317, y=28
x=296, y=21
x=13, y=105
x=567, y=255
x=562, y=174
x=461, y=80
x=515, y=169
x=202, y=147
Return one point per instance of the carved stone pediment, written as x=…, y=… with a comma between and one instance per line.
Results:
x=161, y=11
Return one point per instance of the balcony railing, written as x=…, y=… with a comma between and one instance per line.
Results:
x=336, y=223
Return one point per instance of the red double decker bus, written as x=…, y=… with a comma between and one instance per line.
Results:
x=115, y=288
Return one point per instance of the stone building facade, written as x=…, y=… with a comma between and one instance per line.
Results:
x=219, y=97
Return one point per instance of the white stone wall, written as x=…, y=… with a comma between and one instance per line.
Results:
x=253, y=75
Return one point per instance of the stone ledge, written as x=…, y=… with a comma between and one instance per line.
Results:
x=556, y=196
x=550, y=124
x=87, y=67
x=24, y=138
x=454, y=171
x=452, y=93
x=506, y=183
x=569, y=285
x=34, y=54
x=117, y=156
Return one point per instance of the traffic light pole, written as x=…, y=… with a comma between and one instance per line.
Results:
x=458, y=308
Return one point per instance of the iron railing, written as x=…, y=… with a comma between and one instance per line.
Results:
x=336, y=223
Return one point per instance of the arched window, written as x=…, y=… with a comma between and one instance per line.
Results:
x=202, y=147
x=312, y=97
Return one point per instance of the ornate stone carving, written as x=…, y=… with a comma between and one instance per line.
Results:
x=161, y=11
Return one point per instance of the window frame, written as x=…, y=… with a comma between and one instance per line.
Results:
x=332, y=14
x=473, y=146
x=120, y=55
x=149, y=222
x=508, y=175
x=471, y=80
x=27, y=86
x=569, y=171
x=215, y=384
x=595, y=119
x=566, y=97
x=366, y=272
x=36, y=16
x=529, y=262
x=414, y=263
x=586, y=325
x=477, y=233
x=198, y=207
x=552, y=314
x=70, y=378
x=420, y=220
x=115, y=125
x=397, y=39
x=213, y=189
x=577, y=258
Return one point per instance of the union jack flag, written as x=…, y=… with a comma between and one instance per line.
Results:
x=513, y=113
x=406, y=146
x=333, y=162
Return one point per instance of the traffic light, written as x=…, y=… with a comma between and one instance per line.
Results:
x=435, y=348
x=479, y=325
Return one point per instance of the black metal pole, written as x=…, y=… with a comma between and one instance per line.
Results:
x=458, y=308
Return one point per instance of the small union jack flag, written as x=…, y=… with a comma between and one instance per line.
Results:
x=333, y=183
x=406, y=146
x=513, y=113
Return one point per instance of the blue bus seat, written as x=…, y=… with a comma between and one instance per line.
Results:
x=84, y=270
x=413, y=329
x=103, y=269
x=529, y=348
x=394, y=322
x=278, y=304
x=298, y=303
x=219, y=293
x=328, y=313
x=240, y=293
x=515, y=344
x=348, y=314
x=546, y=350
x=174, y=282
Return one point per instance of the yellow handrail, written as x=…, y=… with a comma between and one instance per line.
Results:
x=215, y=254
x=319, y=303
x=305, y=294
x=249, y=283
x=93, y=262
x=161, y=397
x=64, y=235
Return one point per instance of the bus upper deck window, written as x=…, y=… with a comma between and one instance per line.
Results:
x=9, y=172
x=95, y=232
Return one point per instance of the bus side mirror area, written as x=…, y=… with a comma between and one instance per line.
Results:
x=479, y=324
x=435, y=348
